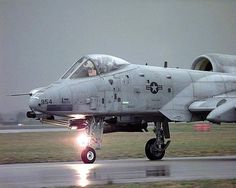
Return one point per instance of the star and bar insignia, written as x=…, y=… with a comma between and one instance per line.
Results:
x=154, y=87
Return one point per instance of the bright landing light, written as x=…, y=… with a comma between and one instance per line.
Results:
x=83, y=140
x=78, y=116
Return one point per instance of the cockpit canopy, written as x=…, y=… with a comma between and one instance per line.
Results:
x=93, y=65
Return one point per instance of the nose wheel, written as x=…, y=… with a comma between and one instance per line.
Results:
x=88, y=155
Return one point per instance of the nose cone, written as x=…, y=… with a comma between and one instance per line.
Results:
x=34, y=103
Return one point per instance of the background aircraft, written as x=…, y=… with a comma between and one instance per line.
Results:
x=102, y=93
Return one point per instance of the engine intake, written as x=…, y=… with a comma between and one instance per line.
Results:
x=215, y=63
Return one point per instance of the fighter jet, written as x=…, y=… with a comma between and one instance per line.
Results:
x=102, y=93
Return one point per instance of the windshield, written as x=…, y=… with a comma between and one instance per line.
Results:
x=68, y=73
x=87, y=69
x=93, y=65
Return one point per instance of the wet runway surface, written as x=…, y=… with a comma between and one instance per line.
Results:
x=33, y=130
x=116, y=171
x=30, y=128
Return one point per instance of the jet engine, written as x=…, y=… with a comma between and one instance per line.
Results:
x=215, y=63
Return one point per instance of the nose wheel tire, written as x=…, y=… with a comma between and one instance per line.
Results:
x=152, y=151
x=88, y=155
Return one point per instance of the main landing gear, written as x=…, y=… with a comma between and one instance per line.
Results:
x=94, y=132
x=155, y=147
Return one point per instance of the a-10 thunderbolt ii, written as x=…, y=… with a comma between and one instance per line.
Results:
x=101, y=92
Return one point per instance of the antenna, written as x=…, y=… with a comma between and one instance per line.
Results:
x=165, y=64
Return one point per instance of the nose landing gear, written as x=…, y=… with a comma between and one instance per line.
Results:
x=88, y=155
x=94, y=131
x=155, y=147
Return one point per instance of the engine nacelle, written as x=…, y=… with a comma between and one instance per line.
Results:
x=215, y=63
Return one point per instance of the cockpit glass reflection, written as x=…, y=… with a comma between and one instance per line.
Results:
x=86, y=69
x=106, y=64
x=68, y=73
x=93, y=65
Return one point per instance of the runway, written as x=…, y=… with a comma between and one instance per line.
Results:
x=116, y=171
x=30, y=128
x=33, y=130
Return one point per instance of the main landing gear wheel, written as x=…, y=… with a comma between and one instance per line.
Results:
x=155, y=148
x=152, y=151
x=88, y=155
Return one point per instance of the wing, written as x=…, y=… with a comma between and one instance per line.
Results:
x=220, y=109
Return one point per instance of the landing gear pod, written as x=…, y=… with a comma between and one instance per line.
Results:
x=88, y=155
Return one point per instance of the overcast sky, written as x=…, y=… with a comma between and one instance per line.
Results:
x=40, y=39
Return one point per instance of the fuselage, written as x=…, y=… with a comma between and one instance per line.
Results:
x=133, y=90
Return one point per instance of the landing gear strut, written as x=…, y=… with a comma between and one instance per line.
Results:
x=95, y=132
x=155, y=147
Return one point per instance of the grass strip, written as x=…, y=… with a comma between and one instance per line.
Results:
x=61, y=146
x=171, y=184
